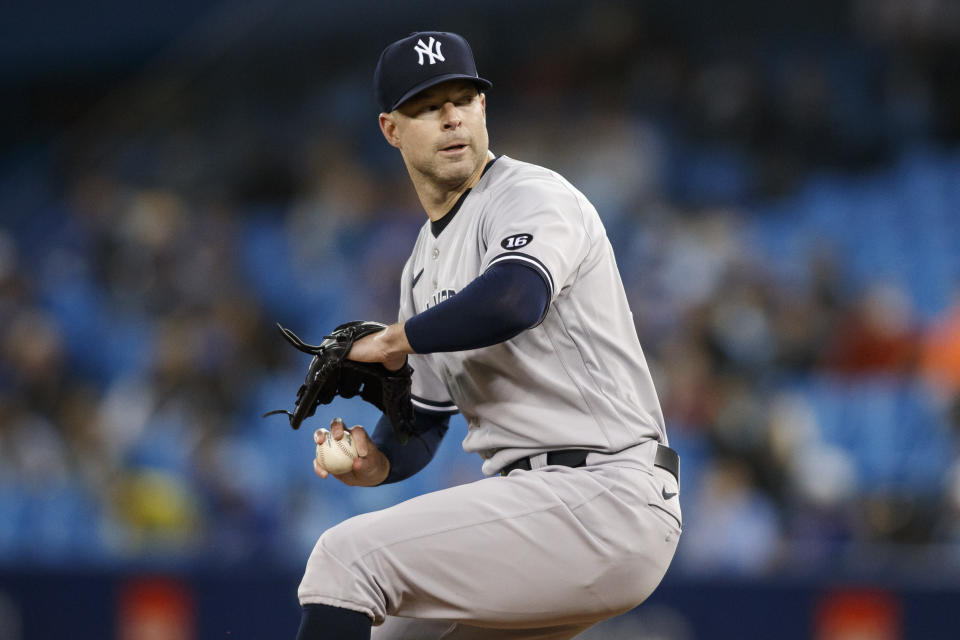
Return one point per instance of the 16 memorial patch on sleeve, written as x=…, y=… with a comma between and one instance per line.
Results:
x=516, y=241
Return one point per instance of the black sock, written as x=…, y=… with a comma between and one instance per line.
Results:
x=323, y=622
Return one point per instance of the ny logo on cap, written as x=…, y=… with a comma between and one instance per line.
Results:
x=428, y=49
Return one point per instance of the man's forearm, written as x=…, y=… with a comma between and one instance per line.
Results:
x=405, y=460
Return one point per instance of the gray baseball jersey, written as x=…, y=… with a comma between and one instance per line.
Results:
x=539, y=554
x=579, y=379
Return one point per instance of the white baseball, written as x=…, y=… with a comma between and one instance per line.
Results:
x=337, y=456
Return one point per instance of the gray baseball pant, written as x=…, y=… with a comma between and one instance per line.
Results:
x=538, y=554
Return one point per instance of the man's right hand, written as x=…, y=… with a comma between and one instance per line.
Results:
x=369, y=469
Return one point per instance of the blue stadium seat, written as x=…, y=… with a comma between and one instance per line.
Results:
x=891, y=428
x=13, y=503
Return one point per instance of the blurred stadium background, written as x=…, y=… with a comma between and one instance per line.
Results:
x=781, y=182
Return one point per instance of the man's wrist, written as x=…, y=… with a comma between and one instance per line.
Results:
x=396, y=343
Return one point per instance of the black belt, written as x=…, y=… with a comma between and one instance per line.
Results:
x=666, y=458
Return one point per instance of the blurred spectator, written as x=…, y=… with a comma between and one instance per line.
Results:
x=940, y=361
x=736, y=527
x=876, y=336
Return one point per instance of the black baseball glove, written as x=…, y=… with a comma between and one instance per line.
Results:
x=330, y=374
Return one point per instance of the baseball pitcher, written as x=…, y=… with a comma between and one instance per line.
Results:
x=512, y=312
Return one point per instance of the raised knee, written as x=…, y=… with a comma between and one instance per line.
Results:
x=337, y=575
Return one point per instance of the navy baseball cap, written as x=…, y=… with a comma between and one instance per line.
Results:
x=420, y=61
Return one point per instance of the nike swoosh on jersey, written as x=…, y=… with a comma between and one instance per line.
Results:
x=667, y=496
x=416, y=279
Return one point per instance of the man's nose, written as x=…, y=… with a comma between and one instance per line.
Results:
x=451, y=116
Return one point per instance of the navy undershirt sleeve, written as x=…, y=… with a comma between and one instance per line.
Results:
x=406, y=460
x=503, y=301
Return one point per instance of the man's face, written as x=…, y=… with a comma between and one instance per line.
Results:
x=441, y=132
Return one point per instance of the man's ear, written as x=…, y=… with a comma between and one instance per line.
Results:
x=483, y=105
x=388, y=127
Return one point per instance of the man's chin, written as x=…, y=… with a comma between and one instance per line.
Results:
x=456, y=171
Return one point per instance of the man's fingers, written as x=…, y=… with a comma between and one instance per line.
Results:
x=360, y=440
x=337, y=428
x=318, y=469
